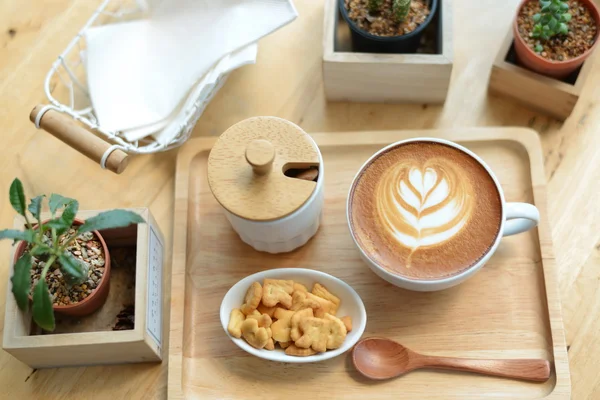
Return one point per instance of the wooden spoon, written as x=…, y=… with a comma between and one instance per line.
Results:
x=379, y=358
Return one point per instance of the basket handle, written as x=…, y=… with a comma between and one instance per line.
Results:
x=79, y=138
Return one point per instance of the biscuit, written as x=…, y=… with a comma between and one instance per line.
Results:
x=347, y=323
x=321, y=291
x=255, y=336
x=300, y=287
x=254, y=313
x=270, y=311
x=293, y=350
x=270, y=345
x=283, y=314
x=264, y=321
x=325, y=306
x=277, y=291
x=281, y=327
x=285, y=345
x=252, y=298
x=295, y=331
x=337, y=332
x=300, y=300
x=236, y=317
x=315, y=334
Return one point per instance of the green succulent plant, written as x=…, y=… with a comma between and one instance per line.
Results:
x=400, y=8
x=552, y=20
x=49, y=241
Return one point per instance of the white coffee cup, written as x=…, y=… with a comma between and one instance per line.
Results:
x=516, y=218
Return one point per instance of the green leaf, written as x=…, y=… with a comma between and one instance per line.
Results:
x=539, y=48
x=68, y=216
x=56, y=223
x=566, y=17
x=21, y=281
x=564, y=6
x=545, y=5
x=553, y=22
x=64, y=222
x=111, y=219
x=546, y=19
x=35, y=207
x=537, y=17
x=43, y=315
x=39, y=249
x=17, y=196
x=27, y=235
x=563, y=28
x=73, y=267
x=57, y=201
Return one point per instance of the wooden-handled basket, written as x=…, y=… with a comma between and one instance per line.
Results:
x=70, y=115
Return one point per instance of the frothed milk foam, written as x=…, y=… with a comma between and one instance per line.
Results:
x=425, y=210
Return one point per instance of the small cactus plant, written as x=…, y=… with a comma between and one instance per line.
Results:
x=400, y=8
x=551, y=21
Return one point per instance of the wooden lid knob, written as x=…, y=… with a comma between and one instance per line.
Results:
x=247, y=166
x=260, y=154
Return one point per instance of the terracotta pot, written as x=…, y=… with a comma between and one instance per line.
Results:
x=555, y=69
x=98, y=296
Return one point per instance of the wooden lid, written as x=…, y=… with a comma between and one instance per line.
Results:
x=247, y=164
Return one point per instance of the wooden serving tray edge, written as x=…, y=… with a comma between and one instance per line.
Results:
x=527, y=138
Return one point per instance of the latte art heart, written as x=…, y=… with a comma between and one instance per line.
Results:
x=424, y=205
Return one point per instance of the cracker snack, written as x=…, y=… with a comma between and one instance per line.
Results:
x=284, y=312
x=252, y=299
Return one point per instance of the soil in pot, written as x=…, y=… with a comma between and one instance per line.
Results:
x=581, y=36
x=383, y=23
x=85, y=247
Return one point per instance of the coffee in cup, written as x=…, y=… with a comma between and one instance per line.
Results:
x=427, y=210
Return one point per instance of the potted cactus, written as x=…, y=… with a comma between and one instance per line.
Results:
x=61, y=264
x=387, y=26
x=555, y=37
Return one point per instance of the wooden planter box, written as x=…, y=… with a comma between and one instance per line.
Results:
x=551, y=96
x=90, y=340
x=390, y=78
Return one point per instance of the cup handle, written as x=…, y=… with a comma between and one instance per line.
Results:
x=520, y=217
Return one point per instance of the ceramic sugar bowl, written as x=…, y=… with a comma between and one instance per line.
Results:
x=267, y=174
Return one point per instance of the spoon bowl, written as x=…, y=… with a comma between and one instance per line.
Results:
x=380, y=358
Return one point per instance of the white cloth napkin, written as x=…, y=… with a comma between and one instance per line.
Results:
x=165, y=130
x=141, y=74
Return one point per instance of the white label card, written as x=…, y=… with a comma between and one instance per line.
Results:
x=154, y=300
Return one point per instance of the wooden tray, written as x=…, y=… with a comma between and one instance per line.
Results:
x=510, y=309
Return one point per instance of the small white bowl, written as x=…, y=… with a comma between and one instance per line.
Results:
x=351, y=305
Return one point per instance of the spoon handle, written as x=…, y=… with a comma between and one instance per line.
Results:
x=530, y=370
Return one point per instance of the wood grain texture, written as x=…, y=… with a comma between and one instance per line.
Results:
x=380, y=78
x=67, y=130
x=546, y=95
x=287, y=82
x=511, y=309
x=381, y=358
x=246, y=168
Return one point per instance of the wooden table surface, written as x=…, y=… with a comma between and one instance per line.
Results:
x=287, y=82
